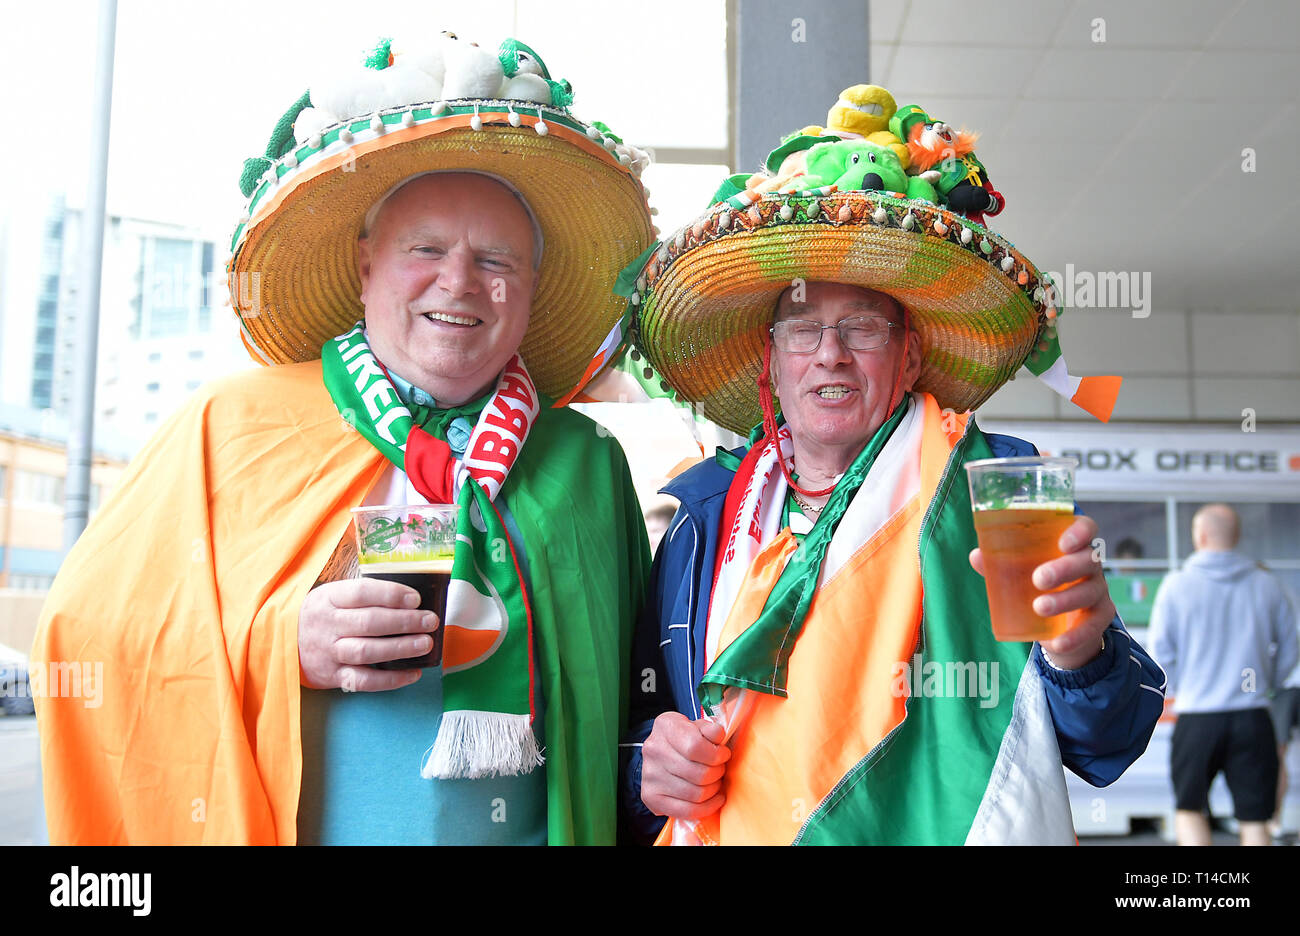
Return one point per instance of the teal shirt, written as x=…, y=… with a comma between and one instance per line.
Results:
x=361, y=783
x=362, y=752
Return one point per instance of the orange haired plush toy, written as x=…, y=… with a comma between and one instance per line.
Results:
x=946, y=158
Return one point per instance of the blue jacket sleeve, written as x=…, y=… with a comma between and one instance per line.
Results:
x=1105, y=712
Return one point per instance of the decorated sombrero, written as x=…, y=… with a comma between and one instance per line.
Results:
x=445, y=105
x=882, y=198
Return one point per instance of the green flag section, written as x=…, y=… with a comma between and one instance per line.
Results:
x=923, y=784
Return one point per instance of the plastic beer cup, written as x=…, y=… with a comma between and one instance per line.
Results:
x=1021, y=508
x=411, y=545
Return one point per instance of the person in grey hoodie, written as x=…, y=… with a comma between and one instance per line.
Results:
x=1225, y=633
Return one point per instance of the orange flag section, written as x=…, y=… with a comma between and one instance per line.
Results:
x=187, y=588
x=1097, y=395
x=794, y=750
x=759, y=582
x=862, y=624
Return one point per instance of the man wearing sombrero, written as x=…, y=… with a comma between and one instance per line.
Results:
x=808, y=574
x=426, y=266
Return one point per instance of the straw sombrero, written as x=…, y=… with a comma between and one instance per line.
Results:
x=705, y=297
x=293, y=276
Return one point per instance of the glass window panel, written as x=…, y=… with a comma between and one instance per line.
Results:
x=1268, y=530
x=170, y=296
x=1136, y=554
x=1130, y=529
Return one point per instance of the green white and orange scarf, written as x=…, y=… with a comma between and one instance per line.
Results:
x=824, y=657
x=489, y=683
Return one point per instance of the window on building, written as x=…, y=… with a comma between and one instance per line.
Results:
x=37, y=487
x=1270, y=534
x=41, y=393
x=172, y=298
x=1134, y=539
x=151, y=417
x=155, y=357
x=205, y=270
x=196, y=354
x=4, y=481
x=192, y=385
x=1144, y=539
x=32, y=583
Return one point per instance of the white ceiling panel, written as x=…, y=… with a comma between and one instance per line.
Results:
x=1147, y=24
x=880, y=65
x=1183, y=122
x=1127, y=155
x=939, y=71
x=1258, y=24
x=887, y=19
x=1105, y=73
x=1062, y=122
x=1019, y=23
x=1238, y=76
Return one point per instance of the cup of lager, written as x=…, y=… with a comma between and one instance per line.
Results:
x=411, y=545
x=1022, y=506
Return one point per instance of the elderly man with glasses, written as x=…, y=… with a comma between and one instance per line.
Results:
x=816, y=663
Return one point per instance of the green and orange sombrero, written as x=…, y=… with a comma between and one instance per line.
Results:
x=837, y=205
x=444, y=105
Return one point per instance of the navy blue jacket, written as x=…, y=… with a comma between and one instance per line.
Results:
x=1104, y=713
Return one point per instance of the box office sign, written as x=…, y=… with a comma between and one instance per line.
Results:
x=1173, y=459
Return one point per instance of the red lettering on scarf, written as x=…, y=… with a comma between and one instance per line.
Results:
x=492, y=447
x=514, y=421
x=514, y=387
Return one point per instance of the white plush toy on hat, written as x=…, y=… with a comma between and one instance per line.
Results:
x=414, y=74
x=526, y=88
x=472, y=72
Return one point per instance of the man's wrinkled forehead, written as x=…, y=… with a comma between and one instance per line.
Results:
x=372, y=216
x=867, y=302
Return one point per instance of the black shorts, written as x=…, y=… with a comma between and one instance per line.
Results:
x=1286, y=714
x=1241, y=744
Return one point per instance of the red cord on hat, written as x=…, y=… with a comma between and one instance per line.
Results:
x=769, y=417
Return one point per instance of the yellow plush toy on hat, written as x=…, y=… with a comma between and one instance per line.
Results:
x=865, y=111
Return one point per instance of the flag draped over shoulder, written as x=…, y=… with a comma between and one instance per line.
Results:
x=187, y=587
x=880, y=711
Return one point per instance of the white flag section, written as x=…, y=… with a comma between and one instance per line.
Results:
x=1025, y=802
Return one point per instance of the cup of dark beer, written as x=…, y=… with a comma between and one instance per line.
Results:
x=412, y=545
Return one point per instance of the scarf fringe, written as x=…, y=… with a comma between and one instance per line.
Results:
x=473, y=744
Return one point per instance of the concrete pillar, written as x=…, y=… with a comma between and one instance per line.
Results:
x=792, y=61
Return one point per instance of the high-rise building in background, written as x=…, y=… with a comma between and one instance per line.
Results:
x=163, y=331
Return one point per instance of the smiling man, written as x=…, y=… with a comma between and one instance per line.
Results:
x=448, y=268
x=426, y=293
x=809, y=572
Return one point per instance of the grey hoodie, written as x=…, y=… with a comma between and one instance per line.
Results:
x=1224, y=632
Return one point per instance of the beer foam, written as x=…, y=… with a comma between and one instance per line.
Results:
x=409, y=567
x=1053, y=506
